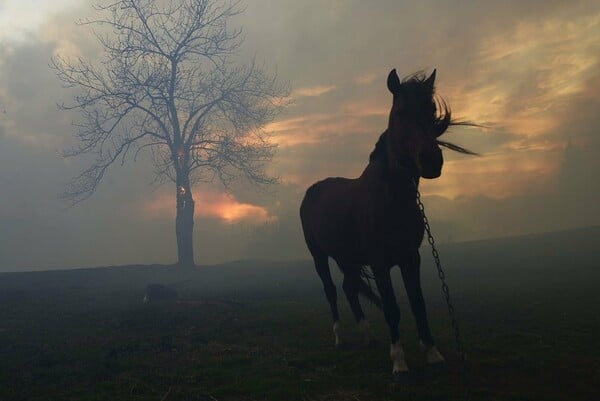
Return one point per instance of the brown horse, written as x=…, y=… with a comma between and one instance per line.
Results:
x=374, y=220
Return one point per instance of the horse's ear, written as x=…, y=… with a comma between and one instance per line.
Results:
x=430, y=81
x=393, y=82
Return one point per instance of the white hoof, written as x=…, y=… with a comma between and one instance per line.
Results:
x=432, y=355
x=397, y=355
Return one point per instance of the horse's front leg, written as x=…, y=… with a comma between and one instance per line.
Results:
x=392, y=316
x=411, y=274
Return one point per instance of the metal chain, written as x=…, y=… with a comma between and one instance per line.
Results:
x=454, y=322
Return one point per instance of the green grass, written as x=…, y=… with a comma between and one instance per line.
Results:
x=261, y=331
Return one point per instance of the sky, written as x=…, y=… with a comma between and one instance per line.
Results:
x=528, y=71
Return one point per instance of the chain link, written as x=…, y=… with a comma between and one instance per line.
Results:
x=451, y=311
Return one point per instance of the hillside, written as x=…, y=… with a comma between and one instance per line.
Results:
x=576, y=252
x=528, y=310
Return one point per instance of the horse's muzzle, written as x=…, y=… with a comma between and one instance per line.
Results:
x=431, y=174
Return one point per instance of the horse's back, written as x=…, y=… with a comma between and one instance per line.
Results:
x=325, y=197
x=327, y=215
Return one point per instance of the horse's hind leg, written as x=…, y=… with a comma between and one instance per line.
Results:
x=352, y=282
x=322, y=267
x=412, y=282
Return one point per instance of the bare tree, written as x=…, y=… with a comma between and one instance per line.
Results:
x=169, y=84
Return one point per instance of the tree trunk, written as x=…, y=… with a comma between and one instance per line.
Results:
x=184, y=223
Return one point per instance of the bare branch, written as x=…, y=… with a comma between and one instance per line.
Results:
x=167, y=82
x=84, y=185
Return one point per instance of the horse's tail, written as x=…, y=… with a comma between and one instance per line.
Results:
x=365, y=289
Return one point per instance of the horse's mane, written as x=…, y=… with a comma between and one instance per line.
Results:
x=442, y=118
x=380, y=151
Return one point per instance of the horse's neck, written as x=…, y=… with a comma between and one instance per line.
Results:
x=402, y=185
x=374, y=171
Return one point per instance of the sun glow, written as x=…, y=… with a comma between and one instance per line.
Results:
x=210, y=204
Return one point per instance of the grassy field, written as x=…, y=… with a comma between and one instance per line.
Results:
x=529, y=310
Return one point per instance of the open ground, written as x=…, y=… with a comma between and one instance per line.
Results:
x=528, y=307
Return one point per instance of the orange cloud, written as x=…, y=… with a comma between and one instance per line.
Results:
x=523, y=84
x=319, y=128
x=312, y=129
x=312, y=91
x=365, y=78
x=525, y=77
x=498, y=176
x=366, y=109
x=210, y=204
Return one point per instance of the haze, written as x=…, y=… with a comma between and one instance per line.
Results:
x=529, y=71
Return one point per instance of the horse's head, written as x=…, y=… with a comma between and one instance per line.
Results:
x=417, y=119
